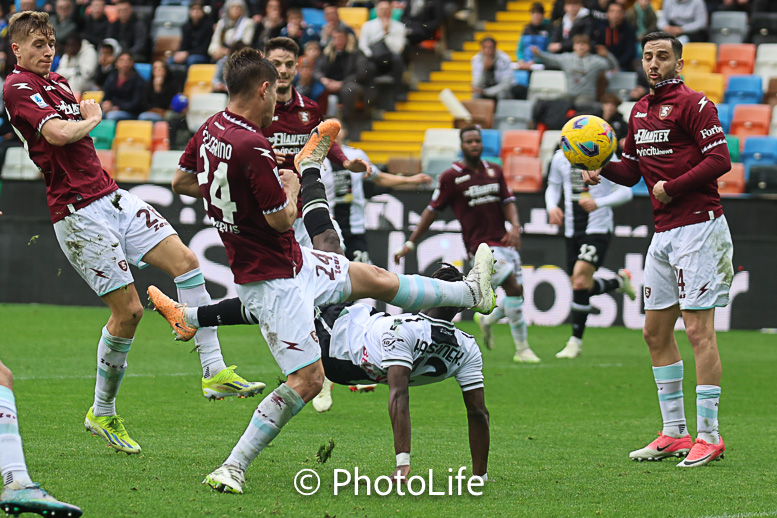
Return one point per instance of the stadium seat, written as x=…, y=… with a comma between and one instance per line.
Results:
x=520, y=143
x=547, y=84
x=734, y=149
x=169, y=17
x=770, y=95
x=521, y=77
x=744, y=90
x=751, y=119
x=622, y=83
x=313, y=17
x=160, y=136
x=766, y=62
x=513, y=114
x=523, y=173
x=106, y=160
x=136, y=134
x=202, y=106
x=640, y=189
x=19, y=166
x=443, y=142
x=548, y=146
x=724, y=114
x=144, y=70
x=164, y=164
x=492, y=142
x=354, y=17
x=728, y=27
x=96, y=95
x=436, y=166
x=700, y=57
x=199, y=76
x=625, y=109
x=482, y=111
x=763, y=28
x=165, y=46
x=759, y=151
x=713, y=85
x=103, y=134
x=404, y=165
x=132, y=164
x=762, y=180
x=733, y=182
x=736, y=59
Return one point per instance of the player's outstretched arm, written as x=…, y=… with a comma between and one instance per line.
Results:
x=427, y=218
x=399, y=411
x=60, y=132
x=394, y=180
x=479, y=435
x=186, y=183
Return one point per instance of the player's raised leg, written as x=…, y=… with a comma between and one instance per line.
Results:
x=20, y=494
x=508, y=272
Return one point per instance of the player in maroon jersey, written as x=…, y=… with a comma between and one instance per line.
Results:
x=100, y=228
x=478, y=194
x=676, y=144
x=230, y=164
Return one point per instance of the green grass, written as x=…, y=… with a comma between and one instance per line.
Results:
x=560, y=431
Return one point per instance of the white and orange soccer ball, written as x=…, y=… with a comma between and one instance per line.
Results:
x=588, y=142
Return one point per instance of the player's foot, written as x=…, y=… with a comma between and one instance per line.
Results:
x=572, y=350
x=485, y=328
x=226, y=479
x=664, y=446
x=317, y=146
x=362, y=388
x=479, y=280
x=17, y=499
x=323, y=401
x=111, y=428
x=525, y=355
x=174, y=313
x=703, y=453
x=624, y=278
x=228, y=383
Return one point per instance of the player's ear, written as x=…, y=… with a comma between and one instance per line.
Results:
x=263, y=88
x=680, y=65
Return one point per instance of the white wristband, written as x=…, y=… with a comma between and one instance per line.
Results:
x=403, y=459
x=409, y=245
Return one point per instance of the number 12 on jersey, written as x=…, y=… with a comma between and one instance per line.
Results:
x=219, y=188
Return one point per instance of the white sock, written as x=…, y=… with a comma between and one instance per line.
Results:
x=112, y=354
x=707, y=399
x=513, y=308
x=192, y=292
x=495, y=316
x=418, y=292
x=12, y=465
x=669, y=380
x=270, y=416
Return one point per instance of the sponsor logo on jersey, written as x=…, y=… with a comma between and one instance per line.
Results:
x=68, y=109
x=640, y=115
x=49, y=88
x=645, y=136
x=482, y=194
x=654, y=151
x=712, y=131
x=279, y=139
x=702, y=103
x=462, y=179
x=664, y=111
x=37, y=99
x=304, y=117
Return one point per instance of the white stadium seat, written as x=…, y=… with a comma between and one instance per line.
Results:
x=547, y=84
x=164, y=164
x=19, y=166
x=202, y=106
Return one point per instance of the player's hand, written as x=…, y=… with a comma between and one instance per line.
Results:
x=290, y=181
x=591, y=177
x=588, y=204
x=357, y=165
x=401, y=252
x=660, y=193
x=556, y=216
x=513, y=238
x=534, y=49
x=401, y=471
x=279, y=157
x=419, y=179
x=90, y=110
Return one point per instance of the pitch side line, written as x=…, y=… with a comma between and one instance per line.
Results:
x=129, y=375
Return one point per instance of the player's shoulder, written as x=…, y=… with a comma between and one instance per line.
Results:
x=694, y=99
x=496, y=168
x=306, y=104
x=19, y=81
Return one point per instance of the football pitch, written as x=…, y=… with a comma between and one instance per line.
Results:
x=561, y=431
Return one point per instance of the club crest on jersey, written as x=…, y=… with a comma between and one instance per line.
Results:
x=647, y=292
x=304, y=117
x=37, y=99
x=664, y=111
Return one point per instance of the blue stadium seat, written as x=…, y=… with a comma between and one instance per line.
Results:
x=759, y=151
x=744, y=90
x=144, y=69
x=640, y=189
x=313, y=17
x=725, y=113
x=521, y=77
x=492, y=142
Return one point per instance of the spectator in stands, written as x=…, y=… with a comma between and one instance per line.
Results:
x=581, y=68
x=610, y=113
x=732, y=5
x=106, y=60
x=273, y=20
x=79, y=63
x=598, y=9
x=96, y=24
x=422, y=18
x=537, y=30
x=382, y=40
x=233, y=26
x=332, y=22
x=684, y=19
x=576, y=20
x=312, y=50
x=65, y=21
x=307, y=85
x=197, y=33
x=297, y=29
x=124, y=90
x=492, y=72
x=643, y=18
x=343, y=70
x=160, y=91
x=218, y=84
x=130, y=31
x=618, y=36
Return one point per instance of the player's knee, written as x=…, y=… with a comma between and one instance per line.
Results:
x=699, y=335
x=581, y=282
x=188, y=261
x=129, y=315
x=6, y=376
x=327, y=241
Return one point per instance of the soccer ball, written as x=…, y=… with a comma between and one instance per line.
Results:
x=588, y=142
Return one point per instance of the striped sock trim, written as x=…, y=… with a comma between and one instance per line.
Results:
x=116, y=343
x=707, y=392
x=705, y=412
x=671, y=372
x=190, y=280
x=673, y=395
x=6, y=395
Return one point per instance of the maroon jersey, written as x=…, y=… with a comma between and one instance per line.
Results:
x=73, y=174
x=477, y=199
x=675, y=135
x=239, y=181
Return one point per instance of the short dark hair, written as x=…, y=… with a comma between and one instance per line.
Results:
x=26, y=23
x=282, y=42
x=677, y=46
x=488, y=38
x=537, y=7
x=450, y=273
x=611, y=97
x=467, y=128
x=581, y=38
x=246, y=69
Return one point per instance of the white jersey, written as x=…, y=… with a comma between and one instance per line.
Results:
x=433, y=349
x=562, y=178
x=345, y=192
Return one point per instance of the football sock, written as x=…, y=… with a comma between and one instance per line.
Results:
x=513, y=308
x=707, y=398
x=605, y=285
x=581, y=307
x=228, y=312
x=669, y=380
x=112, y=354
x=192, y=292
x=418, y=292
x=495, y=316
x=12, y=465
x=270, y=416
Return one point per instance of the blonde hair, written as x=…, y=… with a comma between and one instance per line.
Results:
x=26, y=23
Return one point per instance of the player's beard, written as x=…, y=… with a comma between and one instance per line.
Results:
x=284, y=90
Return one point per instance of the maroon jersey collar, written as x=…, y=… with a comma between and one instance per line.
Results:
x=234, y=118
x=461, y=166
x=666, y=87
x=296, y=100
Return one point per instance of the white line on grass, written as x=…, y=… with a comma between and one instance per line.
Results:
x=91, y=376
x=742, y=515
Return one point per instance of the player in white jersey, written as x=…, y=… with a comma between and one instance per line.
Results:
x=588, y=225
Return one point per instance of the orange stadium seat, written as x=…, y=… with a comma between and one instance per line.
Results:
x=700, y=57
x=132, y=164
x=160, y=136
x=733, y=182
x=736, y=59
x=523, y=173
x=106, y=159
x=750, y=119
x=713, y=85
x=520, y=143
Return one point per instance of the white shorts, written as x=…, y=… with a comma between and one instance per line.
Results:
x=101, y=239
x=690, y=265
x=285, y=307
x=508, y=261
x=303, y=238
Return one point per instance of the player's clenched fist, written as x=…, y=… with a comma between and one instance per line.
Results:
x=91, y=110
x=290, y=181
x=591, y=177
